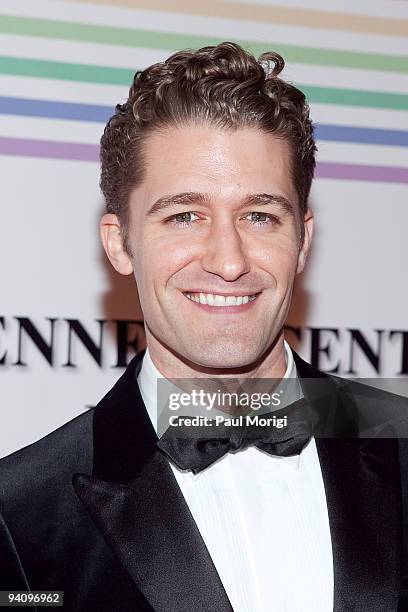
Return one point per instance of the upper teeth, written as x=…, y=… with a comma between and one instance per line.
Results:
x=213, y=299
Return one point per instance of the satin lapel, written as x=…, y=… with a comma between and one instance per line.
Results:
x=363, y=494
x=150, y=528
x=136, y=503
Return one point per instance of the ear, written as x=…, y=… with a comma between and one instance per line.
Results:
x=112, y=241
x=308, y=232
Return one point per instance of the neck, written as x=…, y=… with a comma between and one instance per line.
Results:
x=271, y=364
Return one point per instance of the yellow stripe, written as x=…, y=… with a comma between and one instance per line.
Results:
x=275, y=14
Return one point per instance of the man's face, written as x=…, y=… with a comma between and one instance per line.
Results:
x=216, y=218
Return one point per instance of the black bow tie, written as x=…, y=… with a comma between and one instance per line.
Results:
x=196, y=447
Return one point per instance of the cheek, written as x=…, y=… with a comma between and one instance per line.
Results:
x=278, y=259
x=161, y=259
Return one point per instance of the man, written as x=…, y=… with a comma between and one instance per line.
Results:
x=206, y=171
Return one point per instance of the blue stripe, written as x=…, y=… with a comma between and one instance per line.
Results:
x=55, y=110
x=100, y=114
x=342, y=133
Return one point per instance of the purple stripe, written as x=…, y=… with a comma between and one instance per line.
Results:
x=360, y=172
x=48, y=148
x=90, y=152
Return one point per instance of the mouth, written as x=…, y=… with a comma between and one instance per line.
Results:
x=221, y=302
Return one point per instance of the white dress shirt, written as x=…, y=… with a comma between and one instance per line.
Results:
x=263, y=519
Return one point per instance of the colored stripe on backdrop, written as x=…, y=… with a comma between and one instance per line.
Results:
x=55, y=110
x=24, y=147
x=100, y=114
x=343, y=133
x=127, y=37
x=85, y=152
x=65, y=71
x=122, y=76
x=361, y=172
x=282, y=15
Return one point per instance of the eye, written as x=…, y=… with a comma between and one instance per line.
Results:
x=260, y=219
x=182, y=219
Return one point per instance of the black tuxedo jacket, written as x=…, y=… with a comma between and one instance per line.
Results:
x=93, y=509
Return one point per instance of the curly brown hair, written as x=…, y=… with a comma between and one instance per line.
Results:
x=223, y=85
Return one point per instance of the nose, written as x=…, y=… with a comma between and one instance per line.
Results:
x=224, y=253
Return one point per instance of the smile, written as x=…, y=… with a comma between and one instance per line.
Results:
x=214, y=299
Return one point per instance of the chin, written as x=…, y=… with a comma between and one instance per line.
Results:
x=224, y=357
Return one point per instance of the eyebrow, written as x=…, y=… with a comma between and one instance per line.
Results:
x=191, y=197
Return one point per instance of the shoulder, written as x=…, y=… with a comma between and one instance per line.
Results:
x=45, y=468
x=359, y=407
x=362, y=391
x=384, y=413
x=49, y=461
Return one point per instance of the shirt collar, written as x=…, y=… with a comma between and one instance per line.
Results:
x=147, y=381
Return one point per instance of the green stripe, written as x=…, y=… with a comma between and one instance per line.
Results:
x=122, y=76
x=127, y=37
x=83, y=73
x=355, y=97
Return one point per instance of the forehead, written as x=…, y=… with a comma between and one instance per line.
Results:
x=222, y=163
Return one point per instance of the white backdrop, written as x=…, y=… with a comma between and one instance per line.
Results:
x=51, y=262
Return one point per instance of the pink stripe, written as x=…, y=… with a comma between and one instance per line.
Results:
x=361, y=172
x=49, y=149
